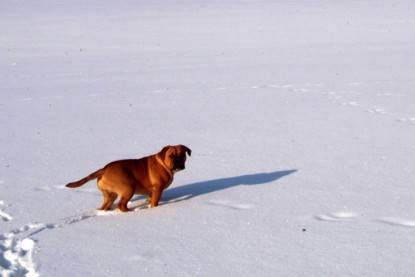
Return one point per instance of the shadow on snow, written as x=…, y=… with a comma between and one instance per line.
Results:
x=205, y=187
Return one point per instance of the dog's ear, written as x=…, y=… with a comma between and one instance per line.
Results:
x=164, y=150
x=187, y=149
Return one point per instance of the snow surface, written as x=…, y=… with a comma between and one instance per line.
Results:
x=300, y=116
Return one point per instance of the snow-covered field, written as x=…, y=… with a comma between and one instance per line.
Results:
x=300, y=116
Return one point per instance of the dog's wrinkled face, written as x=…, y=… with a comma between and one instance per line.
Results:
x=175, y=157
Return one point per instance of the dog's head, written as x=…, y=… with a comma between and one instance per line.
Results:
x=175, y=157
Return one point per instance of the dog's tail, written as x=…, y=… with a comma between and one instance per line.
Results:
x=92, y=176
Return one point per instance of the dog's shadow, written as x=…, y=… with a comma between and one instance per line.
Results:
x=196, y=189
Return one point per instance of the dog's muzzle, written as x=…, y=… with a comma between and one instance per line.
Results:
x=179, y=166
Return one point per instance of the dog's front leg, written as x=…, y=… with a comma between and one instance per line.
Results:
x=155, y=196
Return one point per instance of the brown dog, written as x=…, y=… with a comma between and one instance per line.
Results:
x=149, y=175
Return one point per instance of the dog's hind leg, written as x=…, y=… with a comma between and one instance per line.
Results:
x=126, y=196
x=109, y=198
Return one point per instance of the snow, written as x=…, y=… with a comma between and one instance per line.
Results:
x=300, y=116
